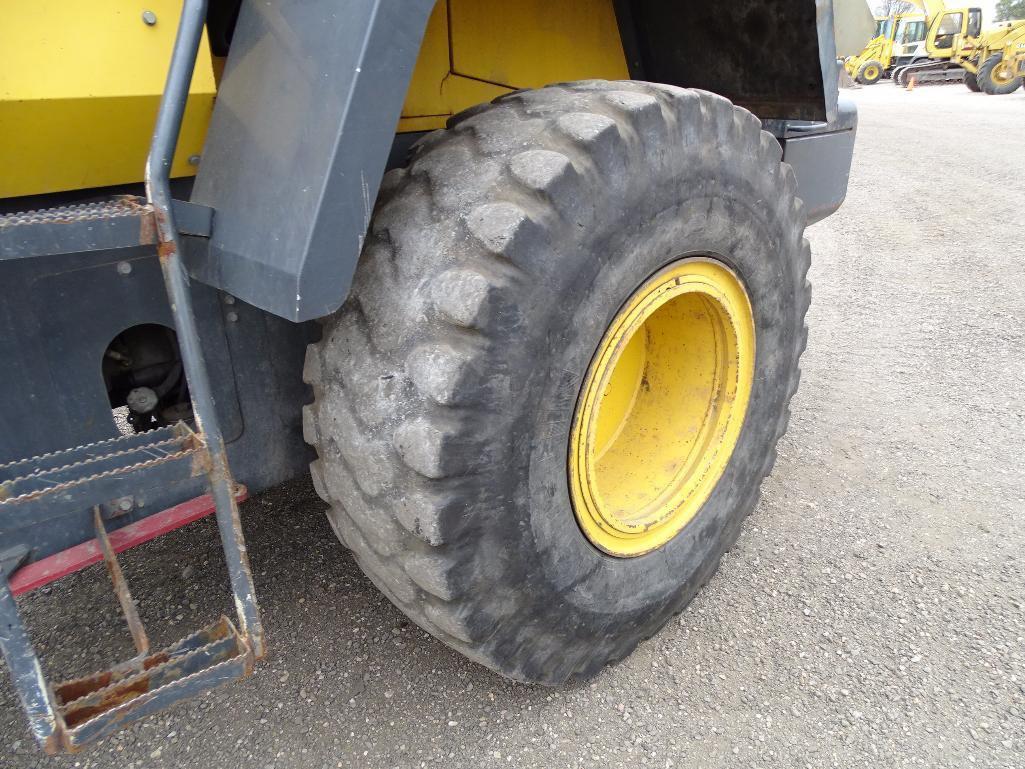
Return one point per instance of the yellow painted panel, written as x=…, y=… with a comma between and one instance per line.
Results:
x=424, y=95
x=462, y=92
x=452, y=95
x=497, y=46
x=434, y=92
x=531, y=43
x=422, y=123
x=80, y=81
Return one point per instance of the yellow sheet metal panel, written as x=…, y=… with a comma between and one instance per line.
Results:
x=435, y=92
x=476, y=50
x=80, y=82
x=432, y=67
x=531, y=43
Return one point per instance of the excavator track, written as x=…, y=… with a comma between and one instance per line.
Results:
x=929, y=73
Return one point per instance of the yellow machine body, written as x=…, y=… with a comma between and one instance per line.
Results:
x=80, y=82
x=1009, y=42
x=951, y=37
x=1014, y=55
x=476, y=50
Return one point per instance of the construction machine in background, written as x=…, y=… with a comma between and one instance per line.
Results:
x=960, y=50
x=894, y=33
x=1005, y=67
x=909, y=45
x=1016, y=61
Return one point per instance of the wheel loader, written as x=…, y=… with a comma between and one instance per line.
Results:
x=521, y=284
x=894, y=34
x=1005, y=64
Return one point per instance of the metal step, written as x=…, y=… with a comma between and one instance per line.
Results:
x=63, y=470
x=122, y=222
x=96, y=705
x=111, y=224
x=47, y=462
x=78, y=478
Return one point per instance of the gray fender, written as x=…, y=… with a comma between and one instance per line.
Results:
x=304, y=119
x=313, y=89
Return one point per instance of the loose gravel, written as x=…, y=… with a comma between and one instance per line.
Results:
x=870, y=615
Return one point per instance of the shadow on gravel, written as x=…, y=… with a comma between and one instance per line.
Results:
x=338, y=649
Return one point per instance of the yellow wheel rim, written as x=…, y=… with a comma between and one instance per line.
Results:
x=1002, y=74
x=871, y=73
x=661, y=407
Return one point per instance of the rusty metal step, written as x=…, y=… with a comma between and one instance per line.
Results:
x=96, y=705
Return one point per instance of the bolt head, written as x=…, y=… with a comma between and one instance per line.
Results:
x=193, y=160
x=125, y=504
x=149, y=18
x=124, y=268
x=232, y=317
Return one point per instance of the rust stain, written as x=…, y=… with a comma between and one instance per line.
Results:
x=166, y=249
x=72, y=690
x=109, y=701
x=147, y=230
x=52, y=745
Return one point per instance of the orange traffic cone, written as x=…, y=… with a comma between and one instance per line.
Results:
x=911, y=83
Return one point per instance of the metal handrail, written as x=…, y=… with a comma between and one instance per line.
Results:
x=158, y=192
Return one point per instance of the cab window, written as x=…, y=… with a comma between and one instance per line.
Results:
x=974, y=22
x=912, y=32
x=949, y=25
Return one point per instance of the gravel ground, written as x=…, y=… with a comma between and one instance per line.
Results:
x=871, y=613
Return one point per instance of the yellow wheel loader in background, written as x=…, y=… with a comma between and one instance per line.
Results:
x=893, y=33
x=1005, y=67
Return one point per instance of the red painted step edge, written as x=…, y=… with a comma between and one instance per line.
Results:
x=76, y=558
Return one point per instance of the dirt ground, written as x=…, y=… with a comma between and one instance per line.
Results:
x=870, y=615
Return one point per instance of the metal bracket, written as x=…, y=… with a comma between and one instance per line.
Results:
x=124, y=596
x=11, y=560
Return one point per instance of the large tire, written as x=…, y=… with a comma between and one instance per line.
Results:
x=991, y=86
x=870, y=72
x=971, y=81
x=445, y=387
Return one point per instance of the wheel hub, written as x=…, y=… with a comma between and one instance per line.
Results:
x=1002, y=74
x=661, y=407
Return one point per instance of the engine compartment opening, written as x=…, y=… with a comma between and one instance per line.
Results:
x=145, y=380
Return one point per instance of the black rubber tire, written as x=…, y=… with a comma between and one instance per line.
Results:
x=897, y=77
x=985, y=78
x=445, y=386
x=971, y=81
x=866, y=80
